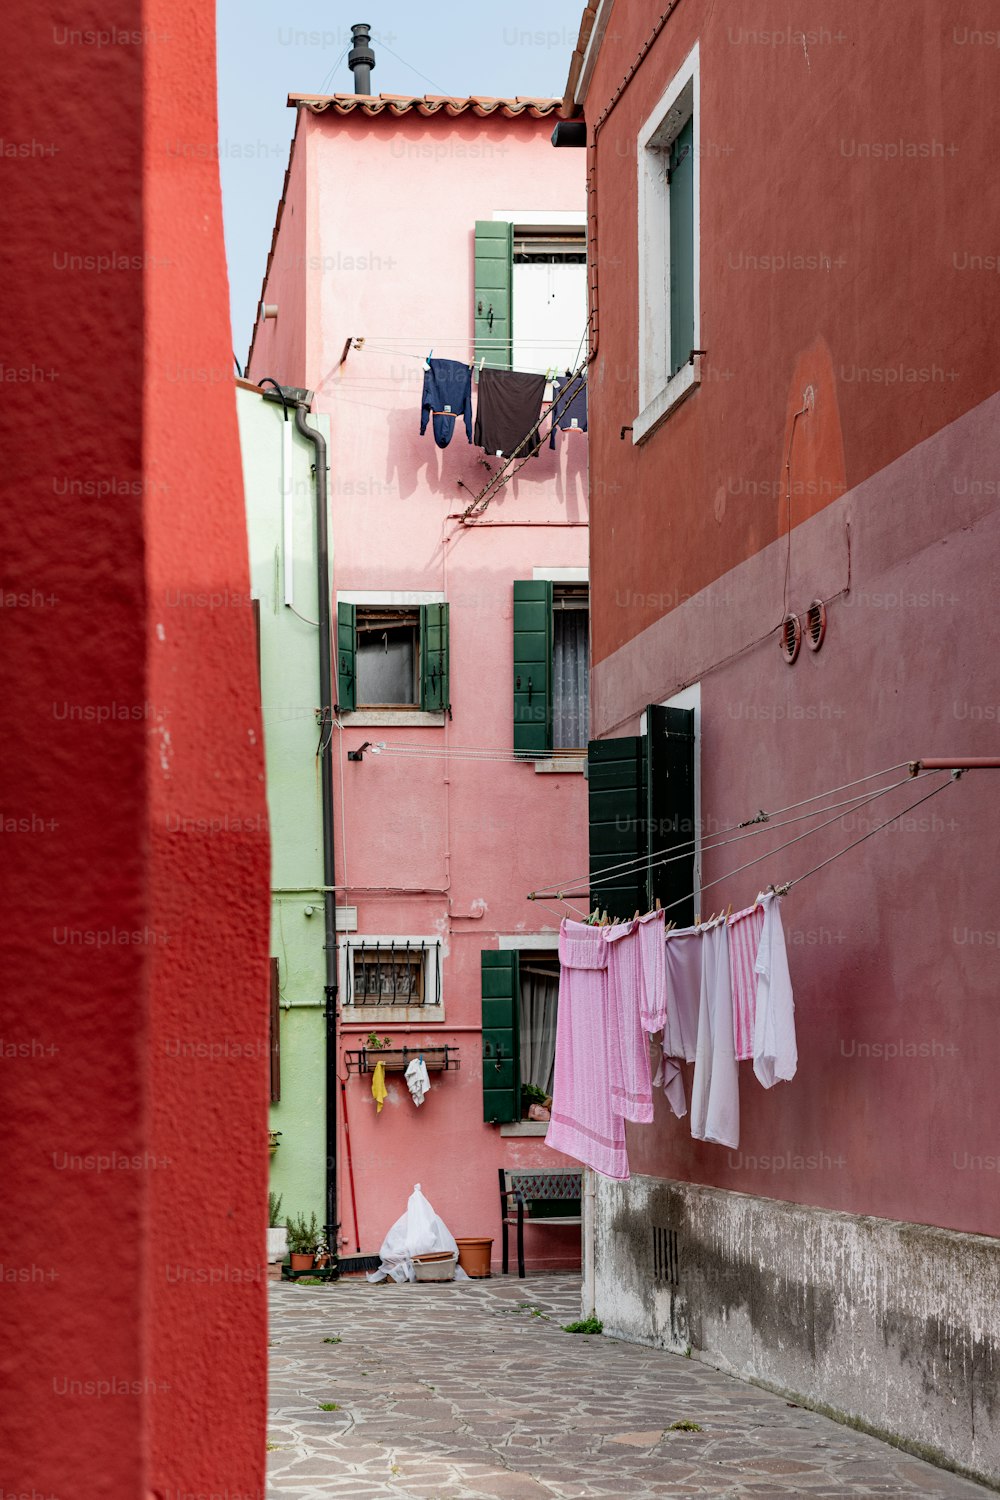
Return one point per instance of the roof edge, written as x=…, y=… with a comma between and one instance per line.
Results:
x=593, y=25
x=425, y=105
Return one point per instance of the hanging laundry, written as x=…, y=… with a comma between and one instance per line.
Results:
x=682, y=959
x=584, y=1124
x=569, y=405
x=509, y=407
x=447, y=395
x=653, y=961
x=715, y=1095
x=379, y=1090
x=628, y=1056
x=775, y=1054
x=417, y=1080
x=745, y=928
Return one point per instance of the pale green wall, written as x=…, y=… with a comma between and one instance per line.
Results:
x=290, y=691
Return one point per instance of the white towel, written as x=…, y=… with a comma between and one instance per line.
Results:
x=417, y=1079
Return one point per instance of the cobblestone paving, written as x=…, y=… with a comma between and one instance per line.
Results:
x=471, y=1390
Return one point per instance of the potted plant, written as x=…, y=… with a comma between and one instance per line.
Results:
x=535, y=1102
x=376, y=1043
x=277, y=1233
x=302, y=1241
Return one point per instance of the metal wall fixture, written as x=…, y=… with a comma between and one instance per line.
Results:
x=790, y=638
x=666, y=1256
x=815, y=624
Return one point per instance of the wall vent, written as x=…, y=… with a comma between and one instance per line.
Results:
x=666, y=1260
x=790, y=638
x=815, y=624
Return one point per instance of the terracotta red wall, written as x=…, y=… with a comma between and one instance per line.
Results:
x=892, y=948
x=135, y=1168
x=782, y=122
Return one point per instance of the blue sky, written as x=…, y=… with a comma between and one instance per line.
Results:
x=266, y=51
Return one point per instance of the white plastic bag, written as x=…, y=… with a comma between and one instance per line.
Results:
x=418, y=1232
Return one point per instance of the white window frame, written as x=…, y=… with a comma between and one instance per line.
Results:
x=399, y=1015
x=659, y=391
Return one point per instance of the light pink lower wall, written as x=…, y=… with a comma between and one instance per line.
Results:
x=893, y=948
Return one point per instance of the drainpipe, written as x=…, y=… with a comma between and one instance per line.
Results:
x=331, y=1227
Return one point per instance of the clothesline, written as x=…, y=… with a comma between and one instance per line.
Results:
x=760, y=817
x=567, y=394
x=407, y=354
x=862, y=798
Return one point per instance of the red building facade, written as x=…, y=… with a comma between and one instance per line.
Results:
x=792, y=406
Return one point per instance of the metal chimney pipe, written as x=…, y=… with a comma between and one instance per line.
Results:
x=361, y=58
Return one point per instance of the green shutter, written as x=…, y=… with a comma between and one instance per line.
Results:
x=434, y=684
x=682, y=248
x=493, y=294
x=346, y=654
x=501, y=1037
x=533, y=667
x=670, y=809
x=616, y=771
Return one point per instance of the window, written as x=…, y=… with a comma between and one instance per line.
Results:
x=520, y=997
x=668, y=229
x=551, y=667
x=530, y=295
x=388, y=656
x=642, y=807
x=392, y=656
x=391, y=978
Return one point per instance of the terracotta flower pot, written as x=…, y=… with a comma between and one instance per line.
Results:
x=474, y=1256
x=302, y=1262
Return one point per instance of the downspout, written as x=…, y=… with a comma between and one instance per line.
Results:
x=331, y=1226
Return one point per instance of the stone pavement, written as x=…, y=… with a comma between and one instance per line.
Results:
x=470, y=1390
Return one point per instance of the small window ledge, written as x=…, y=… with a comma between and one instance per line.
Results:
x=392, y=1015
x=563, y=763
x=676, y=390
x=526, y=1127
x=385, y=718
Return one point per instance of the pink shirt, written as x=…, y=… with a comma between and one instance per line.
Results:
x=745, y=928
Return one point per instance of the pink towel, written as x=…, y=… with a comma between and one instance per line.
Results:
x=745, y=928
x=628, y=1056
x=584, y=1124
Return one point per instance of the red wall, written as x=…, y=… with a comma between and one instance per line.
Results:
x=782, y=122
x=132, y=1238
x=892, y=949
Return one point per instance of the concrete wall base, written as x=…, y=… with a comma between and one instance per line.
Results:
x=887, y=1326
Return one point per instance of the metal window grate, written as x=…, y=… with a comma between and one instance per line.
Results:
x=666, y=1259
x=393, y=974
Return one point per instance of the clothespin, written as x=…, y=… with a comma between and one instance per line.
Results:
x=729, y=912
x=636, y=917
x=697, y=919
x=670, y=925
x=482, y=363
x=604, y=919
x=427, y=361
x=658, y=906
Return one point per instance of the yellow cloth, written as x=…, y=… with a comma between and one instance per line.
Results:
x=379, y=1090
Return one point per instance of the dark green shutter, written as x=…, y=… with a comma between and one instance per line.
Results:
x=641, y=810
x=434, y=665
x=616, y=771
x=501, y=1037
x=670, y=809
x=346, y=655
x=533, y=667
x=682, y=248
x=493, y=293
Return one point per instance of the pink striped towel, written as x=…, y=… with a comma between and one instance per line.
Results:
x=584, y=1124
x=745, y=928
x=628, y=1057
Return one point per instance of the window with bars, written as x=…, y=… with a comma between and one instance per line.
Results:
x=387, y=972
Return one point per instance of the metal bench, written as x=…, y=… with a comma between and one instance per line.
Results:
x=542, y=1196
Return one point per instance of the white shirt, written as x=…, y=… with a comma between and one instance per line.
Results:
x=775, y=1055
x=417, y=1079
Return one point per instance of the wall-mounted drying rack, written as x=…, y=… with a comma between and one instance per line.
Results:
x=397, y=1059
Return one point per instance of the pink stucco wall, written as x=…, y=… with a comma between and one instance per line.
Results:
x=392, y=207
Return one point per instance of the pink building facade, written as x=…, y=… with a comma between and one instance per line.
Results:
x=390, y=213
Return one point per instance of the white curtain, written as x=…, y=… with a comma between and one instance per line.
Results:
x=570, y=679
x=539, y=997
